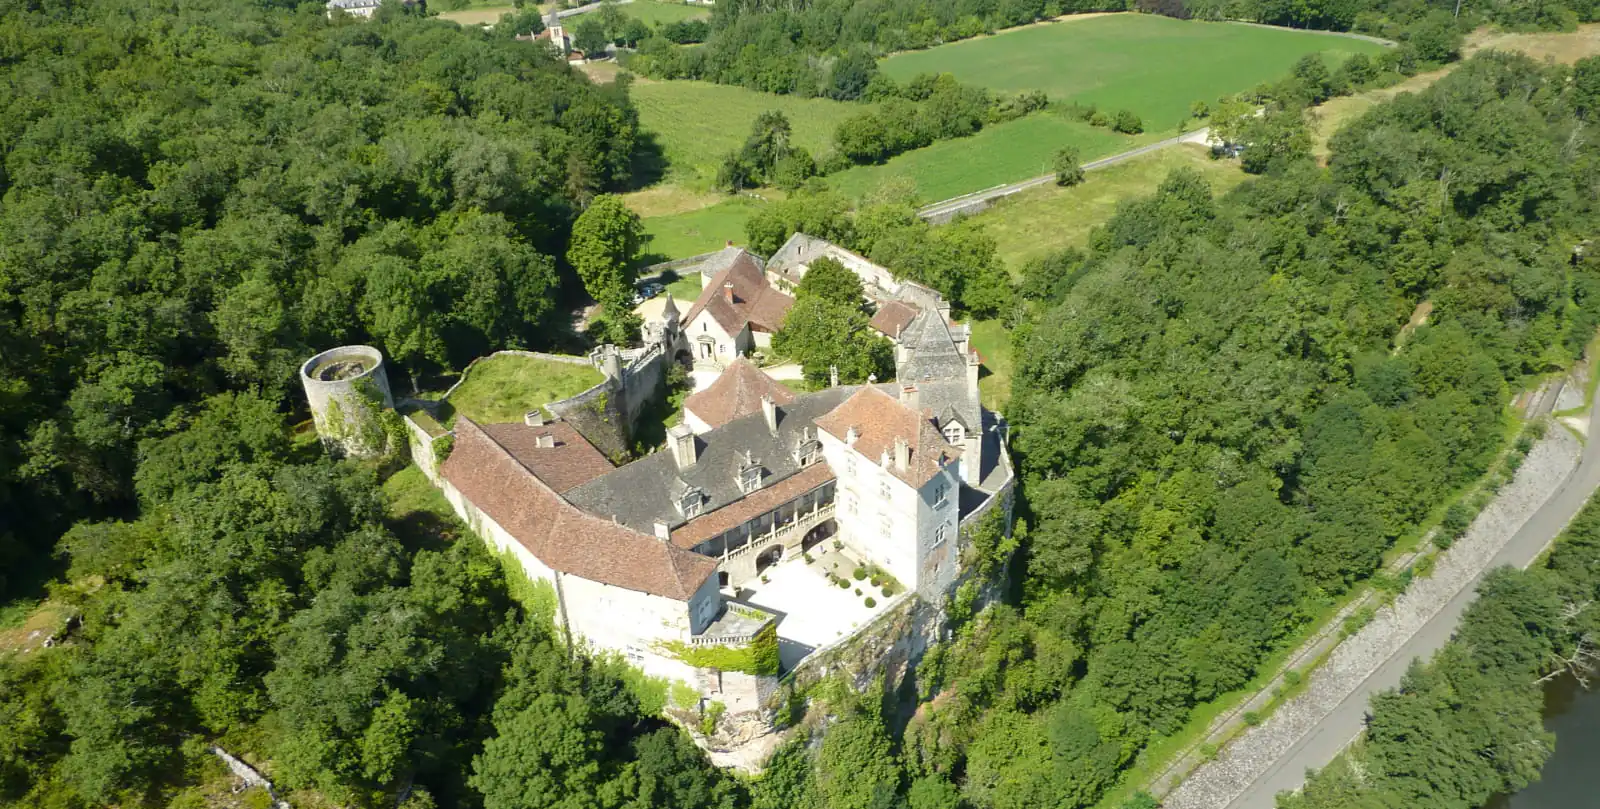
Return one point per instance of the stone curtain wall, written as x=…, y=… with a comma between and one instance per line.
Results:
x=422, y=448
x=605, y=414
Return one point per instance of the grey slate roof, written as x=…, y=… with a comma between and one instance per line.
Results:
x=938, y=370
x=646, y=491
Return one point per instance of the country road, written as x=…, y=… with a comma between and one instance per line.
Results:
x=943, y=211
x=1278, y=759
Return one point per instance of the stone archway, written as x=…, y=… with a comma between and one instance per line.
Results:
x=768, y=558
x=817, y=534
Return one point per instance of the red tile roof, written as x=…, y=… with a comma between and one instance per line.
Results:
x=558, y=533
x=893, y=317
x=879, y=419
x=736, y=392
x=748, y=508
x=571, y=462
x=755, y=302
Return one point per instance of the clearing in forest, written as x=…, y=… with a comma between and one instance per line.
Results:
x=662, y=13
x=1155, y=66
x=503, y=388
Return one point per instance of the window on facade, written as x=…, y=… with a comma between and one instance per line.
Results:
x=941, y=495
x=954, y=432
x=722, y=349
x=690, y=505
x=941, y=534
x=883, y=490
x=810, y=451
x=850, y=465
x=849, y=502
x=886, y=525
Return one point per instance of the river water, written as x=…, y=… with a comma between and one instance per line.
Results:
x=1569, y=778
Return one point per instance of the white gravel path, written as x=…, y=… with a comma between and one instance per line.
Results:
x=1261, y=750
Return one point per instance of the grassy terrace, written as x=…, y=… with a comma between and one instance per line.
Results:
x=1155, y=66
x=503, y=388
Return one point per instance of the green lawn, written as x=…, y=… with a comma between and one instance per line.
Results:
x=697, y=123
x=1005, y=153
x=694, y=232
x=1042, y=220
x=1155, y=66
x=993, y=343
x=504, y=388
x=663, y=13
x=686, y=288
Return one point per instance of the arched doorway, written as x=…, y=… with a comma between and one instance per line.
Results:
x=768, y=558
x=814, y=537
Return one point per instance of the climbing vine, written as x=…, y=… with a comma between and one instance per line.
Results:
x=759, y=656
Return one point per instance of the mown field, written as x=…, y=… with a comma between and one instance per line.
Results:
x=697, y=123
x=999, y=154
x=1042, y=220
x=663, y=13
x=694, y=232
x=1155, y=66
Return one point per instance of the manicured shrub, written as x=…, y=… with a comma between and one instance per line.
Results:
x=871, y=602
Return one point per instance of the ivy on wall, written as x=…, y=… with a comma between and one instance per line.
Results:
x=759, y=656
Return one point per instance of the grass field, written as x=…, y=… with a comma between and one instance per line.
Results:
x=694, y=232
x=501, y=389
x=698, y=123
x=1155, y=66
x=663, y=13
x=1043, y=220
x=993, y=343
x=1000, y=154
x=483, y=15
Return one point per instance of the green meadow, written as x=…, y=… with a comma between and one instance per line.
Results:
x=1155, y=66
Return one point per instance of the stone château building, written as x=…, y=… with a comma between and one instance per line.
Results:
x=763, y=500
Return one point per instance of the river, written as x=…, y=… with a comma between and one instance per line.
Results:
x=1568, y=780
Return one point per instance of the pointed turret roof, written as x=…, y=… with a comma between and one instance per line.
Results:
x=669, y=309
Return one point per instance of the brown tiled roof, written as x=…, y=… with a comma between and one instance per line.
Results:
x=558, y=533
x=879, y=419
x=736, y=392
x=570, y=463
x=892, y=318
x=754, y=300
x=760, y=502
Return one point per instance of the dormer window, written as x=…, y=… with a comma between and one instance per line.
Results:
x=750, y=474
x=808, y=452
x=691, y=503
x=954, y=433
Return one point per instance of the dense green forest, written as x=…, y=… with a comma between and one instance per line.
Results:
x=197, y=196
x=1428, y=744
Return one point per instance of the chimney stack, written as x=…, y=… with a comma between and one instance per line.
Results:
x=833, y=376
x=902, y=454
x=534, y=418
x=727, y=290
x=545, y=441
x=681, y=439
x=909, y=396
x=663, y=533
x=851, y=436
x=769, y=409
x=974, y=362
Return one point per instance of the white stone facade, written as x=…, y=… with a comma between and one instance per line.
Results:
x=907, y=531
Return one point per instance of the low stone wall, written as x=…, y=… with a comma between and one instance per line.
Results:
x=423, y=451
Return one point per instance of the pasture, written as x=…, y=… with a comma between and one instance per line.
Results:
x=697, y=123
x=656, y=13
x=1000, y=154
x=1046, y=219
x=691, y=233
x=1155, y=66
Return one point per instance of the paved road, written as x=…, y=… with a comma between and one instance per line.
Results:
x=944, y=211
x=1318, y=747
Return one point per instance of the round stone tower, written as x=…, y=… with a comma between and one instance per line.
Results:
x=348, y=391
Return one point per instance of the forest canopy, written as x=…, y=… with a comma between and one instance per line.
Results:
x=199, y=195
